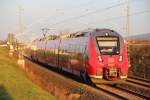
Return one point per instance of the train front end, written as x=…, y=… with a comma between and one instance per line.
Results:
x=108, y=61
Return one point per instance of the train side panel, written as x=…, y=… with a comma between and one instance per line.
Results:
x=72, y=54
x=52, y=52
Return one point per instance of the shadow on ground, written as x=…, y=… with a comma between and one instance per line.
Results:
x=3, y=94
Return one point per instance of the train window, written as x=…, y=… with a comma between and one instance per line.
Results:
x=108, y=45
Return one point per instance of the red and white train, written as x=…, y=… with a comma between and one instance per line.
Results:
x=99, y=55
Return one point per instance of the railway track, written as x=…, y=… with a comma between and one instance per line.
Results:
x=134, y=88
x=139, y=82
x=122, y=93
x=140, y=79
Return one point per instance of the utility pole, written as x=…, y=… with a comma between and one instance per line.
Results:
x=21, y=44
x=128, y=18
x=128, y=28
x=10, y=41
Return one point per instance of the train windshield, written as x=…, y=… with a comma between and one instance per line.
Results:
x=108, y=45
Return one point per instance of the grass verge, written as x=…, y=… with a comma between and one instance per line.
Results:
x=14, y=85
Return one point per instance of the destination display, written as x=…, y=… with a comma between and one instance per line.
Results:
x=106, y=38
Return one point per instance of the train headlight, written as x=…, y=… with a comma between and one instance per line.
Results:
x=106, y=34
x=120, y=58
x=123, y=77
x=100, y=59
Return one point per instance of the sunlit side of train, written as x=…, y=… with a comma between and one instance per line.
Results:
x=98, y=56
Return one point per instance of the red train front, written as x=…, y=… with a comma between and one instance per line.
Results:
x=108, y=59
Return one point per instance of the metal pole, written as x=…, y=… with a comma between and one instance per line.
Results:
x=128, y=18
x=21, y=44
x=128, y=28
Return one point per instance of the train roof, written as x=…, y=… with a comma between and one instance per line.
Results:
x=103, y=32
x=86, y=33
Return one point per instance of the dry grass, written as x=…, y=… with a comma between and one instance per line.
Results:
x=140, y=59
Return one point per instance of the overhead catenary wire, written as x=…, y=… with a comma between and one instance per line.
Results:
x=77, y=17
x=78, y=6
x=84, y=15
x=89, y=13
x=92, y=12
x=48, y=17
x=120, y=17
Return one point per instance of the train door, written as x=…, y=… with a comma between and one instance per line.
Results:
x=63, y=55
x=84, y=61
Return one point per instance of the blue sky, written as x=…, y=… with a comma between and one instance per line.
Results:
x=72, y=15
